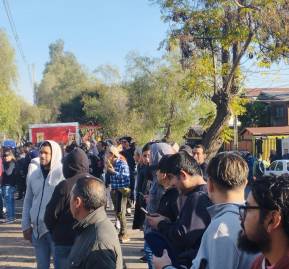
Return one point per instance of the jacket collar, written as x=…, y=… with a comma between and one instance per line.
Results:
x=217, y=210
x=94, y=217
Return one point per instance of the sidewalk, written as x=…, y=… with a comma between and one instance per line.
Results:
x=15, y=252
x=132, y=251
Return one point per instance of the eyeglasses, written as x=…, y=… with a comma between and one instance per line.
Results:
x=244, y=208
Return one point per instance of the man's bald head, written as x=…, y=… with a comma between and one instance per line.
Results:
x=91, y=191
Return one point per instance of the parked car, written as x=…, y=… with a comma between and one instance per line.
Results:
x=278, y=168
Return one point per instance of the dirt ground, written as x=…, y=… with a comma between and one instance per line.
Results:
x=15, y=252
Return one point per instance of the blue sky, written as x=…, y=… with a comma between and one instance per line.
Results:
x=97, y=32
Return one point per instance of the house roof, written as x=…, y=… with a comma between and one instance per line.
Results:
x=256, y=92
x=282, y=130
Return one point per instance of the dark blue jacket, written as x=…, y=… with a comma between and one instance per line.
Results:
x=186, y=233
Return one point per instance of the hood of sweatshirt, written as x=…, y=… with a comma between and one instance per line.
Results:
x=158, y=150
x=75, y=162
x=56, y=154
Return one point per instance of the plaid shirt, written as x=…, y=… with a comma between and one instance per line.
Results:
x=120, y=179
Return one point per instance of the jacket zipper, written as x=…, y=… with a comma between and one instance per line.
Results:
x=40, y=206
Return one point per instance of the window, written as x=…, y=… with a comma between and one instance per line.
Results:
x=279, y=166
x=272, y=166
x=279, y=110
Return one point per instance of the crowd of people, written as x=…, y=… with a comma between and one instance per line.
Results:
x=193, y=214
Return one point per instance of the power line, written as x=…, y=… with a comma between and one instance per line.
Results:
x=16, y=37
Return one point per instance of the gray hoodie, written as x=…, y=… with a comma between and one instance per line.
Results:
x=39, y=191
x=158, y=150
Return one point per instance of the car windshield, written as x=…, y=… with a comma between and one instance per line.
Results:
x=272, y=166
x=279, y=166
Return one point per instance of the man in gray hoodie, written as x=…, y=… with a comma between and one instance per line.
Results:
x=44, y=174
x=227, y=179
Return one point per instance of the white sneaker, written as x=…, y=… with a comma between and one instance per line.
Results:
x=117, y=224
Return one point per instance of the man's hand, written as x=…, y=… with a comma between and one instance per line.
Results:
x=154, y=220
x=27, y=234
x=161, y=262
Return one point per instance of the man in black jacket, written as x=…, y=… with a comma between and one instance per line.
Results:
x=58, y=218
x=186, y=232
x=97, y=245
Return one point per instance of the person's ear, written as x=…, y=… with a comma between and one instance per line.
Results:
x=210, y=185
x=77, y=202
x=183, y=174
x=274, y=221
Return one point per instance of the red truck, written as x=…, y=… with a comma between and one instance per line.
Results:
x=63, y=133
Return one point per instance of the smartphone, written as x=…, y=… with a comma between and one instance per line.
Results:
x=145, y=211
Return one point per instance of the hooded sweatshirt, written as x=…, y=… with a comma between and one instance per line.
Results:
x=39, y=191
x=58, y=218
x=158, y=150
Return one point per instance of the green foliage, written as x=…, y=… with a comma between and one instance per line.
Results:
x=63, y=79
x=109, y=109
x=257, y=115
x=158, y=99
x=220, y=33
x=9, y=110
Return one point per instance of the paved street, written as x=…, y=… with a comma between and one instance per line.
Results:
x=15, y=252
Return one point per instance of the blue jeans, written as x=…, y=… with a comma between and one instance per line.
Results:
x=8, y=193
x=1, y=203
x=148, y=255
x=61, y=255
x=44, y=249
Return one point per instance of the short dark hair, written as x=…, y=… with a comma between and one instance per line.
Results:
x=199, y=146
x=183, y=161
x=272, y=193
x=228, y=170
x=163, y=164
x=28, y=144
x=146, y=147
x=92, y=192
x=45, y=144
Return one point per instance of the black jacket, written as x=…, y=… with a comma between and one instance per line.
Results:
x=168, y=206
x=142, y=188
x=186, y=233
x=58, y=218
x=10, y=173
x=97, y=245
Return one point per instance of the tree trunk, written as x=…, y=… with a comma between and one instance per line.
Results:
x=212, y=140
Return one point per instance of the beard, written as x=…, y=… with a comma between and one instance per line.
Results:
x=260, y=243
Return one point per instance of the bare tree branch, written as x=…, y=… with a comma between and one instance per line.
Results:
x=246, y=6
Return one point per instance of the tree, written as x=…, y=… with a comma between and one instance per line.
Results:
x=157, y=98
x=108, y=109
x=63, y=79
x=257, y=115
x=73, y=110
x=9, y=110
x=221, y=33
